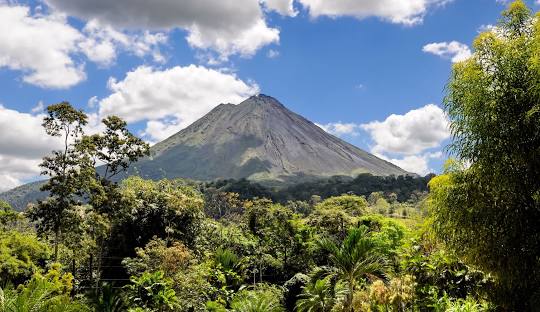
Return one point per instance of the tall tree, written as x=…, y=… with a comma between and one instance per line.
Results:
x=64, y=169
x=114, y=149
x=353, y=261
x=489, y=210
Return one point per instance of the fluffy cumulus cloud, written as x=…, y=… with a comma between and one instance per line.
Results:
x=340, y=129
x=418, y=164
x=23, y=143
x=45, y=48
x=410, y=137
x=40, y=47
x=410, y=134
x=283, y=7
x=456, y=51
x=173, y=98
x=102, y=43
x=228, y=27
x=407, y=12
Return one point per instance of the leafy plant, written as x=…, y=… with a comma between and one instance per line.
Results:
x=354, y=261
x=260, y=299
x=152, y=291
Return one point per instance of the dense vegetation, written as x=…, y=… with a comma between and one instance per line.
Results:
x=366, y=244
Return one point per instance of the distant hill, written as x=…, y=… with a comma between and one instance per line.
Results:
x=258, y=139
x=20, y=196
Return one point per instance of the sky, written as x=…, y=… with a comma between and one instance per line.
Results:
x=372, y=72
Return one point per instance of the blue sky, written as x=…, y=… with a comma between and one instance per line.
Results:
x=365, y=70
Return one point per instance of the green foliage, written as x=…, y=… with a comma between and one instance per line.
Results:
x=489, y=213
x=218, y=204
x=64, y=168
x=396, y=295
x=439, y=273
x=21, y=255
x=193, y=287
x=332, y=219
x=386, y=234
x=157, y=256
x=352, y=204
x=152, y=291
x=281, y=238
x=43, y=293
x=166, y=209
x=214, y=306
x=228, y=269
x=354, y=261
x=318, y=296
x=8, y=216
x=108, y=299
x=403, y=187
x=263, y=298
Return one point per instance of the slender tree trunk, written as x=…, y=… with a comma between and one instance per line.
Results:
x=349, y=298
x=56, y=240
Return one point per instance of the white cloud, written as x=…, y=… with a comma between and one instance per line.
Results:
x=407, y=12
x=173, y=98
x=418, y=164
x=410, y=134
x=245, y=43
x=102, y=43
x=23, y=143
x=39, y=46
x=227, y=27
x=45, y=47
x=159, y=130
x=92, y=102
x=38, y=108
x=456, y=51
x=272, y=54
x=283, y=7
x=405, y=140
x=410, y=137
x=340, y=129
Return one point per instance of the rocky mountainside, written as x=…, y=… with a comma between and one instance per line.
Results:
x=259, y=139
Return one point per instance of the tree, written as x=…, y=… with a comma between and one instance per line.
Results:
x=218, y=204
x=8, y=216
x=166, y=209
x=280, y=236
x=64, y=169
x=352, y=204
x=353, y=261
x=335, y=215
x=21, y=255
x=318, y=296
x=489, y=212
x=116, y=148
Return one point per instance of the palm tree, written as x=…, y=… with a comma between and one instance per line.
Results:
x=257, y=301
x=317, y=297
x=354, y=260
